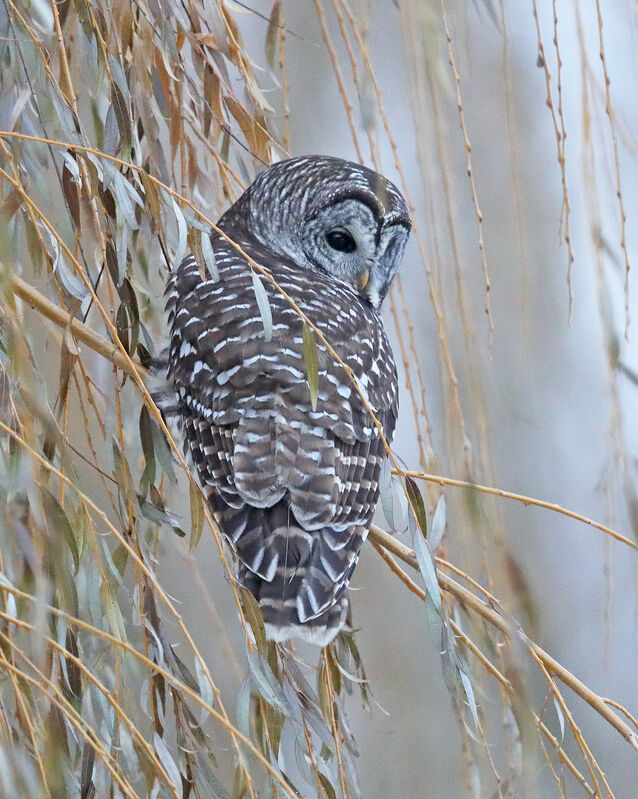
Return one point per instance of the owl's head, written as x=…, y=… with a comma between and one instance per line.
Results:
x=330, y=215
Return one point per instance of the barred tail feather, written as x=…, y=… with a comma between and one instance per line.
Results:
x=298, y=576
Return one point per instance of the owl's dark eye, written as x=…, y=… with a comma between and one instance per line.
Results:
x=340, y=240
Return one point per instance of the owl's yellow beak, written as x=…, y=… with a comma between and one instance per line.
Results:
x=364, y=280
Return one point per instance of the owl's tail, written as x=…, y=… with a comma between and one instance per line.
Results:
x=298, y=576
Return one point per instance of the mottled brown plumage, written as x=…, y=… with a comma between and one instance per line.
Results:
x=295, y=488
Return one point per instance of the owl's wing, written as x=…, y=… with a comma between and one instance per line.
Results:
x=232, y=379
x=254, y=435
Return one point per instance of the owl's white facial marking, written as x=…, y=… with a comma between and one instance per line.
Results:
x=348, y=241
x=330, y=216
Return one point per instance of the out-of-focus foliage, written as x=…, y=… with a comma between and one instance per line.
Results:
x=125, y=130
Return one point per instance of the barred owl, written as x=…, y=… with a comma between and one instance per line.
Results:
x=292, y=476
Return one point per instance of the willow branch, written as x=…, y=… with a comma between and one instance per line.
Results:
x=82, y=332
x=499, y=492
x=510, y=629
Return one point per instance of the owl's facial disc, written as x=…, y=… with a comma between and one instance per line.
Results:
x=351, y=243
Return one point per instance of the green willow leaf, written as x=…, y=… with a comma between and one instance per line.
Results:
x=416, y=502
x=254, y=617
x=311, y=359
x=272, y=34
x=146, y=437
x=57, y=518
x=197, y=516
x=112, y=610
x=327, y=785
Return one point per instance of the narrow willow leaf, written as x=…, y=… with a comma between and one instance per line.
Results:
x=203, y=684
x=127, y=749
x=274, y=721
x=197, y=516
x=111, y=132
x=244, y=119
x=212, y=97
x=267, y=684
x=112, y=610
x=146, y=438
x=469, y=693
x=66, y=116
x=254, y=617
x=240, y=783
x=417, y=505
x=158, y=515
x=182, y=233
x=121, y=114
x=59, y=521
x=385, y=493
x=111, y=261
x=11, y=607
x=68, y=355
x=272, y=34
x=118, y=185
x=303, y=762
x=86, y=775
x=561, y=719
x=122, y=327
x=70, y=281
x=152, y=200
x=163, y=452
x=122, y=247
x=224, y=150
x=326, y=785
x=167, y=761
x=325, y=695
x=120, y=558
x=115, y=575
x=243, y=707
x=72, y=165
x=186, y=674
x=403, y=518
x=426, y=566
x=209, y=256
x=72, y=670
x=438, y=524
x=210, y=785
x=132, y=191
x=311, y=359
x=72, y=197
x=263, y=304
x=368, y=103
x=316, y=722
x=194, y=242
x=18, y=106
x=119, y=77
x=33, y=245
